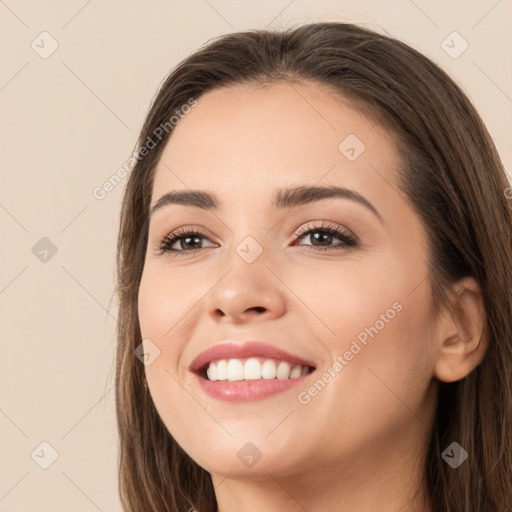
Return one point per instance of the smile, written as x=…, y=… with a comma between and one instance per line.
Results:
x=250, y=371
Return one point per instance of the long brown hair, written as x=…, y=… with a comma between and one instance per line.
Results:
x=456, y=183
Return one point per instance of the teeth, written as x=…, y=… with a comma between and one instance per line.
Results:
x=295, y=372
x=212, y=372
x=268, y=370
x=222, y=370
x=283, y=370
x=235, y=370
x=254, y=369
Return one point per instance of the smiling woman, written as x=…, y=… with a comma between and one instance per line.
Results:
x=336, y=333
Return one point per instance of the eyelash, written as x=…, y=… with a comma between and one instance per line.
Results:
x=347, y=239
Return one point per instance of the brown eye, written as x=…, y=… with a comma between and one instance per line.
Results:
x=187, y=241
x=322, y=236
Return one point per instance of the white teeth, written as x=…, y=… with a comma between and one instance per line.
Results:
x=235, y=370
x=212, y=372
x=254, y=369
x=222, y=370
x=296, y=372
x=283, y=370
x=268, y=370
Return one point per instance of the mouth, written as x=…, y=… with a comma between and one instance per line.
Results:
x=251, y=371
x=253, y=368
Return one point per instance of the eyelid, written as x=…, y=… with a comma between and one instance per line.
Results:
x=324, y=225
x=185, y=228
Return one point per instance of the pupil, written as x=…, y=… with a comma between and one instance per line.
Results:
x=189, y=238
x=321, y=237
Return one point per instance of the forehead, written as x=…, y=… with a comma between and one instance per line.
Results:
x=254, y=139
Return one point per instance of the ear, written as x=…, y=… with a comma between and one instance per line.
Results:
x=463, y=337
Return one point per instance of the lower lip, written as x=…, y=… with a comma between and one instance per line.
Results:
x=247, y=390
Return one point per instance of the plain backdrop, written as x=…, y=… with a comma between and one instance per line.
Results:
x=69, y=119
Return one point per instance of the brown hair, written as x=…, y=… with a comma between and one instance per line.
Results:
x=455, y=181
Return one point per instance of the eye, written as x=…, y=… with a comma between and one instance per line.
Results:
x=322, y=236
x=189, y=240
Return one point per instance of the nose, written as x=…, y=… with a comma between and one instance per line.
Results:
x=246, y=292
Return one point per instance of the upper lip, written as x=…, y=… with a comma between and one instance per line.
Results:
x=229, y=350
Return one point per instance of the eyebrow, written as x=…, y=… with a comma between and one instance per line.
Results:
x=283, y=198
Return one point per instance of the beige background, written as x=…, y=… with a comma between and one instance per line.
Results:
x=68, y=122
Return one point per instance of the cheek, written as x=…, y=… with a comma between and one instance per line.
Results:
x=344, y=300
x=163, y=303
x=163, y=319
x=384, y=346
x=377, y=320
x=163, y=300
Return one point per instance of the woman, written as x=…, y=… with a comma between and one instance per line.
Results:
x=314, y=267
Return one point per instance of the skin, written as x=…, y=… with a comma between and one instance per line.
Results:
x=360, y=442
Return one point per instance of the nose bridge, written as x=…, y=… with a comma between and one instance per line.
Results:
x=250, y=232
x=246, y=282
x=248, y=262
x=250, y=250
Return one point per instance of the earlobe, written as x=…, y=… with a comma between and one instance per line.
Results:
x=463, y=337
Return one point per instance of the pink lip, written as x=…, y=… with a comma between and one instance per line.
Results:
x=245, y=390
x=249, y=349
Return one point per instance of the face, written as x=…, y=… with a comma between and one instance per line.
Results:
x=339, y=282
